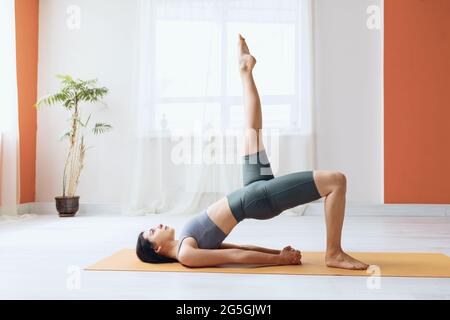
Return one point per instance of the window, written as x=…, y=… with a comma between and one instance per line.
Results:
x=195, y=72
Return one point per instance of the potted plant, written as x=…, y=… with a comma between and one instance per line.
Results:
x=72, y=93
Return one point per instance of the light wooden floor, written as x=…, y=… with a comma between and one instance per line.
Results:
x=40, y=257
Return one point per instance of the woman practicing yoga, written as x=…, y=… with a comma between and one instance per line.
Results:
x=263, y=196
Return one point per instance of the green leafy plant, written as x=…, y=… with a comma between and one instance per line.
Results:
x=69, y=96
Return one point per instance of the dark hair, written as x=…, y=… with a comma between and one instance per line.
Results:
x=146, y=253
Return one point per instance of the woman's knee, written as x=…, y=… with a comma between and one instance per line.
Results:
x=328, y=181
x=339, y=178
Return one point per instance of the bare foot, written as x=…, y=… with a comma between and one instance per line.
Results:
x=246, y=60
x=344, y=261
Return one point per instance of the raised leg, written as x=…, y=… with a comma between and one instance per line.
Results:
x=333, y=186
x=252, y=103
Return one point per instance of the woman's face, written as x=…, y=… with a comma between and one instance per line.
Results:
x=160, y=234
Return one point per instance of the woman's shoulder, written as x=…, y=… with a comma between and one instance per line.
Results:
x=185, y=244
x=189, y=241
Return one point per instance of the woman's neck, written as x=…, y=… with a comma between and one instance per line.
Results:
x=172, y=249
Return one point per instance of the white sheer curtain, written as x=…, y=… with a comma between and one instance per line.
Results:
x=9, y=128
x=189, y=106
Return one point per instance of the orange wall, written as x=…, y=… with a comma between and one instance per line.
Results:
x=27, y=24
x=417, y=101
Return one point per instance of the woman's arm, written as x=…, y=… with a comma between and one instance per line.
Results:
x=194, y=257
x=249, y=247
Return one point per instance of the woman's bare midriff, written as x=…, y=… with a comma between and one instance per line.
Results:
x=220, y=213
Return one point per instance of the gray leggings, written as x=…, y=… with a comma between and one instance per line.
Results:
x=264, y=196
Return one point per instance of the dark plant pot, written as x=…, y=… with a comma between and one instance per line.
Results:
x=67, y=206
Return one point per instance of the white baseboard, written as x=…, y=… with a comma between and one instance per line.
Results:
x=26, y=208
x=400, y=210
x=91, y=209
x=312, y=209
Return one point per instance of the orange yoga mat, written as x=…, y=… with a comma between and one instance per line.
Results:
x=385, y=264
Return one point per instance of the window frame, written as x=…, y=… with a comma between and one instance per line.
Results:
x=299, y=102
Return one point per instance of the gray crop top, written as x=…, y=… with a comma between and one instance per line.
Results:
x=207, y=234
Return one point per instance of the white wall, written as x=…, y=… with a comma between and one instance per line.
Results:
x=103, y=49
x=348, y=96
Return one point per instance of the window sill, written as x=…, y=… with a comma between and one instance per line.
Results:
x=232, y=133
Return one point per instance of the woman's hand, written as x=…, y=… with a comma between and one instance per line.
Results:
x=289, y=256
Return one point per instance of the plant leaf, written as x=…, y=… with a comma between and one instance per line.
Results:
x=101, y=128
x=81, y=123
x=66, y=135
x=87, y=121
